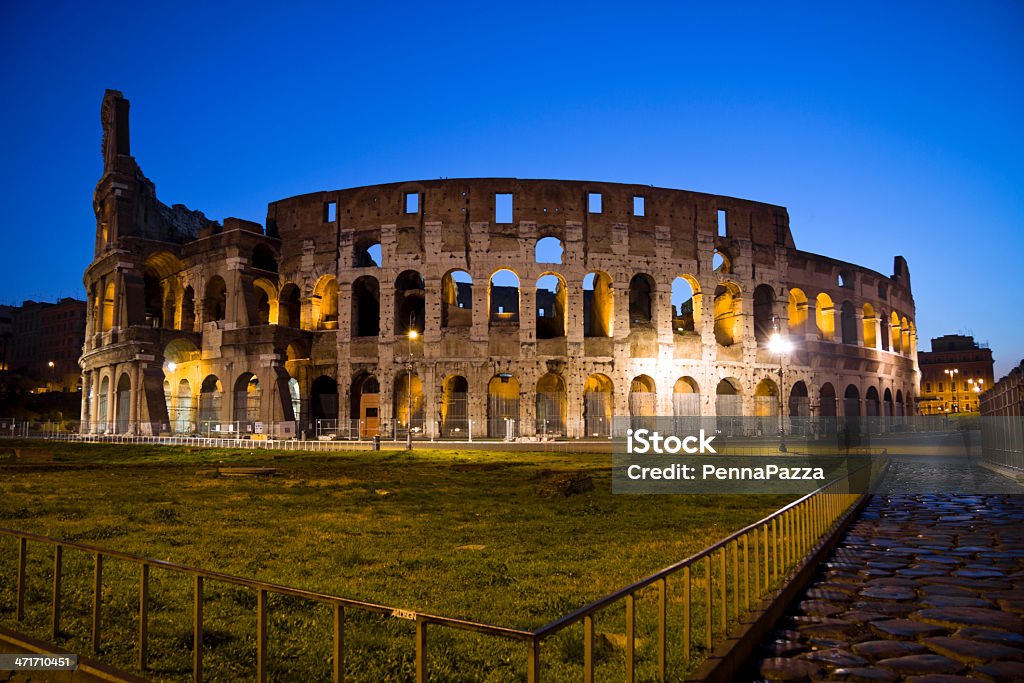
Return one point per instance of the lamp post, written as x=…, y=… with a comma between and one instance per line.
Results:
x=952, y=373
x=781, y=346
x=413, y=334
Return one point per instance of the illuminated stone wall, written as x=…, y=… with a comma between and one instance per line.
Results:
x=326, y=295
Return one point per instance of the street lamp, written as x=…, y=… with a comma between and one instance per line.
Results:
x=413, y=334
x=954, y=408
x=781, y=346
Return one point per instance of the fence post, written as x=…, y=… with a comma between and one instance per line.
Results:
x=588, y=649
x=686, y=614
x=339, y=644
x=662, y=627
x=58, y=553
x=96, y=606
x=709, y=610
x=421, y=651
x=19, y=610
x=533, y=661
x=197, y=631
x=144, y=618
x=630, y=638
x=261, y=636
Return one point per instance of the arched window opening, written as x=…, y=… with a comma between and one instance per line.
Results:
x=799, y=404
x=366, y=307
x=169, y=315
x=872, y=404
x=503, y=295
x=764, y=315
x=368, y=253
x=263, y=258
x=796, y=311
x=215, y=300
x=503, y=406
x=845, y=279
x=247, y=402
x=154, y=299
x=455, y=407
x=643, y=397
x=905, y=337
x=210, y=394
x=686, y=397
x=266, y=307
x=824, y=317
x=108, y=307
x=551, y=405
x=851, y=401
x=326, y=294
x=720, y=262
x=849, y=323
x=766, y=400
x=181, y=418
x=549, y=250
x=410, y=303
x=686, y=309
x=365, y=404
x=728, y=314
x=407, y=395
x=870, y=325
x=102, y=413
x=188, y=310
x=897, y=335
x=551, y=301
x=289, y=308
x=729, y=406
x=827, y=400
x=456, y=299
x=598, y=305
x=122, y=409
x=323, y=403
x=295, y=394
x=598, y=406
x=641, y=300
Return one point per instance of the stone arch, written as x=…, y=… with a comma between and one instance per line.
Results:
x=407, y=394
x=851, y=401
x=849, y=323
x=686, y=397
x=598, y=405
x=323, y=399
x=325, y=293
x=870, y=322
x=901, y=409
x=598, y=304
x=107, y=322
x=102, y=410
x=766, y=398
x=872, y=403
x=643, y=397
x=729, y=405
x=905, y=336
x=825, y=317
x=182, y=416
x=263, y=258
x=796, y=311
x=764, y=313
x=246, y=406
x=827, y=400
x=551, y=305
x=641, y=301
x=799, y=402
x=289, y=306
x=549, y=249
x=211, y=394
x=456, y=299
x=366, y=307
x=503, y=297
x=157, y=270
x=686, y=305
x=364, y=404
x=410, y=303
x=551, y=405
x=721, y=262
x=728, y=314
x=266, y=302
x=897, y=336
x=187, y=320
x=215, y=299
x=888, y=409
x=455, y=407
x=502, y=406
x=123, y=404
x=367, y=252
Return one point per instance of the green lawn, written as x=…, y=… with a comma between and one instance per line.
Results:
x=465, y=534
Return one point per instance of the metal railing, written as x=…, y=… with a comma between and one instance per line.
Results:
x=719, y=585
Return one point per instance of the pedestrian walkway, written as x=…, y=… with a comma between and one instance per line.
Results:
x=925, y=588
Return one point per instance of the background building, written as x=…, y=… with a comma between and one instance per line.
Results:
x=499, y=306
x=44, y=342
x=954, y=374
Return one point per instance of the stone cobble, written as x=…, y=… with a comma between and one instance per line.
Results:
x=923, y=588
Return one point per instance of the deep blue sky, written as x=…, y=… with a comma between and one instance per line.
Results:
x=885, y=128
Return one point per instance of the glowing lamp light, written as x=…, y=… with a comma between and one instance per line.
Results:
x=779, y=344
x=413, y=334
x=171, y=366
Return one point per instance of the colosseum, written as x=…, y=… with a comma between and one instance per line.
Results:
x=472, y=308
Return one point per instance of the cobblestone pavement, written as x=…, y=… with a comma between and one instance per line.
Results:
x=925, y=588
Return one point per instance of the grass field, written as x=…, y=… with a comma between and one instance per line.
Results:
x=469, y=534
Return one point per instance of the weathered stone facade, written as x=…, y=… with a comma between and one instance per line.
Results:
x=193, y=323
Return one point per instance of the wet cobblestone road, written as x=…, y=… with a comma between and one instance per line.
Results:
x=925, y=587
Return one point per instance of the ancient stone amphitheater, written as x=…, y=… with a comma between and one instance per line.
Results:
x=491, y=307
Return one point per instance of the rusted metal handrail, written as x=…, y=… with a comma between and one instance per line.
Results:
x=777, y=543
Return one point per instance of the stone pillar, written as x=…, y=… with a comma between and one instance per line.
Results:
x=527, y=312
x=432, y=317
